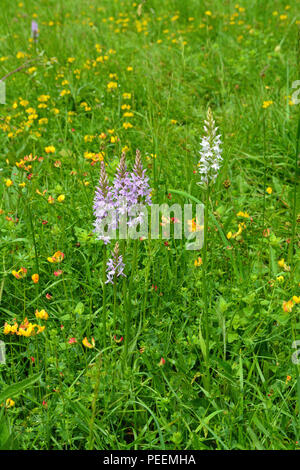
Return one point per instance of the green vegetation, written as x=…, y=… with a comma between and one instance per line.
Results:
x=114, y=76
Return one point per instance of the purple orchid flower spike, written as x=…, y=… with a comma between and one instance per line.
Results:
x=124, y=196
x=142, y=192
x=34, y=30
x=115, y=266
x=103, y=206
x=140, y=182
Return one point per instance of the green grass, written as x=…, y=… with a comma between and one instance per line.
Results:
x=185, y=56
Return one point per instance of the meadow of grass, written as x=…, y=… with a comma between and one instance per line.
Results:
x=173, y=356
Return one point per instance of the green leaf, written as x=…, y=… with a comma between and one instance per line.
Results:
x=7, y=439
x=232, y=337
x=15, y=389
x=79, y=309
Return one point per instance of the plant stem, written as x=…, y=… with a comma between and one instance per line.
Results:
x=115, y=305
x=104, y=296
x=204, y=268
x=94, y=403
x=294, y=221
x=34, y=240
x=128, y=303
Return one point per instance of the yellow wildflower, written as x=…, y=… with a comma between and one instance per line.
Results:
x=43, y=121
x=243, y=214
x=64, y=92
x=42, y=314
x=40, y=328
x=86, y=343
x=35, y=278
x=57, y=257
x=266, y=104
x=112, y=86
x=20, y=274
x=43, y=98
x=288, y=306
x=198, y=261
x=9, y=403
x=50, y=149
